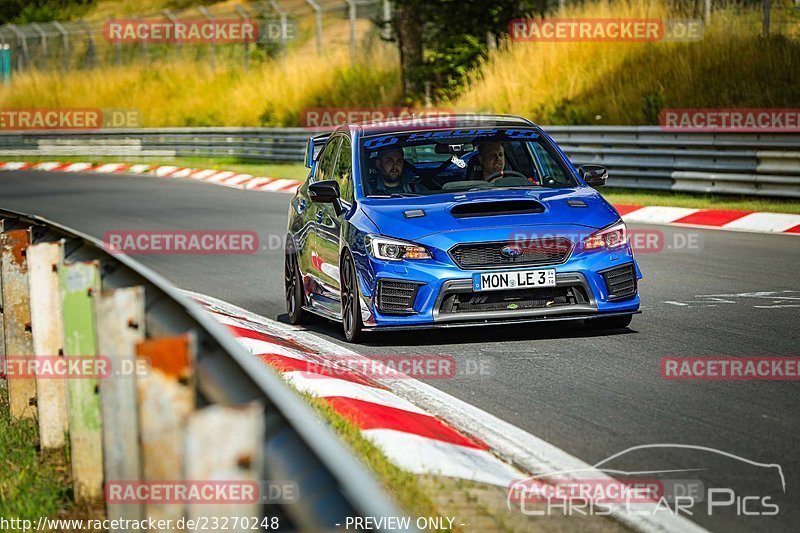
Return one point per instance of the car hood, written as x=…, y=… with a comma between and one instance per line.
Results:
x=490, y=212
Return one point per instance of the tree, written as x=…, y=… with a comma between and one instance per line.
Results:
x=440, y=41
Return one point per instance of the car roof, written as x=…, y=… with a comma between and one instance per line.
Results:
x=441, y=121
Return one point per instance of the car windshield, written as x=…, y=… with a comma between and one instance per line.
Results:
x=446, y=161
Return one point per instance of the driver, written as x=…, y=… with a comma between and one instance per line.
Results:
x=492, y=158
x=394, y=177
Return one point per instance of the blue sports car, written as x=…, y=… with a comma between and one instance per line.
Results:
x=454, y=221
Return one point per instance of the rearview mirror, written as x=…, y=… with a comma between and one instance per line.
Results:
x=593, y=175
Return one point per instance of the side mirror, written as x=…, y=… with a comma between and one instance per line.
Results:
x=593, y=175
x=326, y=192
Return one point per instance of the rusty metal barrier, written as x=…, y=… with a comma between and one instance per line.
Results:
x=159, y=393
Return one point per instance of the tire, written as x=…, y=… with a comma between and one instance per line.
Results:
x=293, y=289
x=352, y=324
x=612, y=322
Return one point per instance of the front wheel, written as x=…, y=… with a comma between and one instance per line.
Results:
x=612, y=322
x=351, y=301
x=293, y=284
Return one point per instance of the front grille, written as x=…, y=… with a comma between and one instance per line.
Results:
x=396, y=297
x=536, y=252
x=620, y=281
x=546, y=298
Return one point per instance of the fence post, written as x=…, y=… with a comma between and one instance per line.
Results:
x=318, y=10
x=22, y=43
x=65, y=39
x=80, y=282
x=43, y=37
x=45, y=261
x=282, y=13
x=90, y=47
x=212, y=48
x=172, y=18
x=245, y=20
x=143, y=42
x=351, y=9
x=387, y=19
x=166, y=399
x=119, y=315
x=17, y=321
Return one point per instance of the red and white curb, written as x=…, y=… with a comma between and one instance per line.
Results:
x=783, y=223
x=410, y=436
x=731, y=220
x=220, y=177
x=420, y=428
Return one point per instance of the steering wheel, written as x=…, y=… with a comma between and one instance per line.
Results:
x=506, y=174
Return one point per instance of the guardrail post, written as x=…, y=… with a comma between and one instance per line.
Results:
x=3, y=381
x=17, y=320
x=226, y=443
x=79, y=283
x=166, y=399
x=119, y=315
x=45, y=261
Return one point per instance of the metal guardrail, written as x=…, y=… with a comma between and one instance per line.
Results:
x=644, y=157
x=206, y=410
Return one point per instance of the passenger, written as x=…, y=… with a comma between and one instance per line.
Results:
x=394, y=176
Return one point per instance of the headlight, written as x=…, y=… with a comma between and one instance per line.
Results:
x=611, y=237
x=393, y=249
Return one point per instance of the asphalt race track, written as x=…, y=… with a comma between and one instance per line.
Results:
x=591, y=394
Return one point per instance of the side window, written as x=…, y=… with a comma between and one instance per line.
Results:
x=547, y=164
x=344, y=171
x=327, y=159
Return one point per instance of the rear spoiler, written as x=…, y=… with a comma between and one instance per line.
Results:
x=313, y=148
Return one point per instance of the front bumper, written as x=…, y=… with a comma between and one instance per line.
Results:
x=581, y=274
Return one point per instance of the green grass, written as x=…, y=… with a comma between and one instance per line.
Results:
x=32, y=483
x=404, y=487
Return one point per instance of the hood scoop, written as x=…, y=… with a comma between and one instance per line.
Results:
x=497, y=207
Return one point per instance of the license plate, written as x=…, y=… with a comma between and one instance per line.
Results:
x=519, y=279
